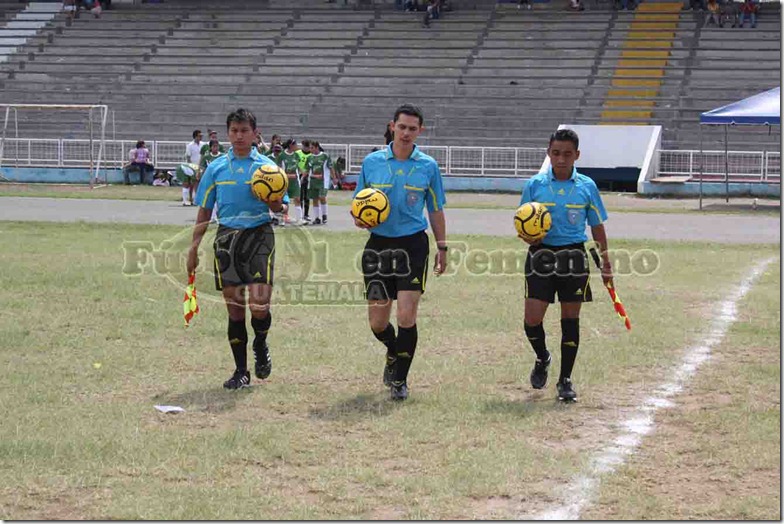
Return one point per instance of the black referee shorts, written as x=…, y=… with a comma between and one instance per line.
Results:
x=557, y=269
x=395, y=264
x=244, y=256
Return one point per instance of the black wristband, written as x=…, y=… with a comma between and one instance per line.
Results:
x=442, y=248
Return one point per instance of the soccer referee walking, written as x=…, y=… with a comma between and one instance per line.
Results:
x=395, y=258
x=558, y=263
x=244, y=244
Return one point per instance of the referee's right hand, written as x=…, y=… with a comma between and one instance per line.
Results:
x=358, y=222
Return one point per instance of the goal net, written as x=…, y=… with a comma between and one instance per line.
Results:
x=23, y=141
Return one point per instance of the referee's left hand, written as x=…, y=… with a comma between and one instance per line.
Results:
x=440, y=265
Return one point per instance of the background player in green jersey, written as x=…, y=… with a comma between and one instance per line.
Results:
x=318, y=169
x=288, y=159
x=304, y=153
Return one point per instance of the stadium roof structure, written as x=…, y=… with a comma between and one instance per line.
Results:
x=761, y=109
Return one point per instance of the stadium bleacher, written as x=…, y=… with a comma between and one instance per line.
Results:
x=491, y=75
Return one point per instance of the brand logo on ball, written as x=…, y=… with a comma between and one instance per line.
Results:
x=269, y=182
x=370, y=207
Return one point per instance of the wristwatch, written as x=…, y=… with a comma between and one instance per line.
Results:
x=442, y=248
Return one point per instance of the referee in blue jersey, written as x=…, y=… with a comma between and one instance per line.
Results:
x=395, y=258
x=558, y=263
x=244, y=244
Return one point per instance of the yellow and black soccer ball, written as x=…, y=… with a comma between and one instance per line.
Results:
x=269, y=183
x=532, y=221
x=370, y=207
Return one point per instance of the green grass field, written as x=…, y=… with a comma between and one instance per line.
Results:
x=88, y=350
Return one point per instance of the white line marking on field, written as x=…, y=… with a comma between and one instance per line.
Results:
x=640, y=421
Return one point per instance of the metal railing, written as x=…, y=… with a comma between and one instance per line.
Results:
x=748, y=166
x=512, y=162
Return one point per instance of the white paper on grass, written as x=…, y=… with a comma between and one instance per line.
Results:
x=169, y=409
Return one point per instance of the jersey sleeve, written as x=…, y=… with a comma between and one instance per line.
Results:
x=527, y=195
x=205, y=194
x=435, y=197
x=362, y=180
x=596, y=213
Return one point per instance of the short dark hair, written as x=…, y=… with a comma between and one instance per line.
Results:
x=139, y=144
x=196, y=132
x=239, y=116
x=315, y=143
x=214, y=143
x=410, y=110
x=565, y=135
x=306, y=142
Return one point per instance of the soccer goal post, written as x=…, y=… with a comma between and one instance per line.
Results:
x=13, y=148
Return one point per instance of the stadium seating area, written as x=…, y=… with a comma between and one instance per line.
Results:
x=493, y=75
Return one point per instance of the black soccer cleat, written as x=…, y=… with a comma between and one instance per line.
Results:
x=324, y=220
x=263, y=366
x=565, y=391
x=398, y=391
x=317, y=222
x=239, y=380
x=389, y=370
x=539, y=373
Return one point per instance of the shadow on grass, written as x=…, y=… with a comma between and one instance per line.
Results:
x=211, y=400
x=356, y=408
x=523, y=408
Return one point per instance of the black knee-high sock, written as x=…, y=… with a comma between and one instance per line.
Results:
x=238, y=340
x=387, y=337
x=260, y=328
x=405, y=347
x=570, y=341
x=536, y=338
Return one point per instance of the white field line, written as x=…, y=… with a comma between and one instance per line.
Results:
x=640, y=421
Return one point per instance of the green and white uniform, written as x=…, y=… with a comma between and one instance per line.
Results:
x=318, y=167
x=290, y=164
x=186, y=173
x=206, y=149
x=207, y=158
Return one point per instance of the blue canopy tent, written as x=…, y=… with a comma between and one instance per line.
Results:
x=763, y=109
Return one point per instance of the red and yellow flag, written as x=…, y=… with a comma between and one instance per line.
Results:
x=190, y=306
x=619, y=306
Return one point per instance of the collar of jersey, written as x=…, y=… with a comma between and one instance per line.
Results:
x=414, y=154
x=572, y=178
x=254, y=154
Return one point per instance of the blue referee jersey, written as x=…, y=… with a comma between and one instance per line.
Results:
x=227, y=183
x=572, y=203
x=410, y=185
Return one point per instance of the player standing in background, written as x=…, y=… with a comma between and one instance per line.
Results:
x=192, y=156
x=244, y=245
x=288, y=160
x=559, y=263
x=211, y=135
x=206, y=159
x=304, y=154
x=395, y=258
x=318, y=170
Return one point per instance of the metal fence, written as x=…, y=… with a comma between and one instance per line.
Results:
x=750, y=166
x=512, y=162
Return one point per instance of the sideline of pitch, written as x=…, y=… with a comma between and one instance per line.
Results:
x=640, y=421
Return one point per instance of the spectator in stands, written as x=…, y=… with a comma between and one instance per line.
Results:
x=139, y=160
x=526, y=2
x=94, y=6
x=411, y=5
x=69, y=6
x=433, y=12
x=729, y=13
x=576, y=5
x=714, y=14
x=750, y=8
x=697, y=4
